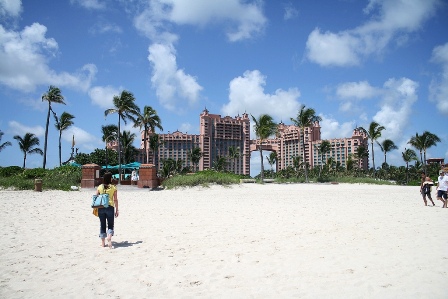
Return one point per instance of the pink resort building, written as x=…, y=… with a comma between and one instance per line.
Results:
x=218, y=134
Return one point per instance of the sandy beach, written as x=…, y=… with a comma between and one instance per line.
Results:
x=244, y=241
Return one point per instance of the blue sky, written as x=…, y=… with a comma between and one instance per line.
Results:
x=354, y=62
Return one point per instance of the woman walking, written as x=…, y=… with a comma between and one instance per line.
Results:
x=108, y=214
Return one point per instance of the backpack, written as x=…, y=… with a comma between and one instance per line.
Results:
x=426, y=188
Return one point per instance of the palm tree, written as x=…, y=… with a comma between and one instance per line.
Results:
x=272, y=159
x=408, y=156
x=4, y=144
x=386, y=146
x=264, y=127
x=52, y=96
x=61, y=125
x=422, y=143
x=220, y=163
x=234, y=154
x=349, y=164
x=27, y=145
x=323, y=149
x=305, y=118
x=360, y=154
x=154, y=144
x=297, y=162
x=417, y=142
x=149, y=120
x=195, y=156
x=127, y=139
x=110, y=133
x=125, y=107
x=373, y=134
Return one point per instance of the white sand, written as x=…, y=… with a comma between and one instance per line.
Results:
x=246, y=241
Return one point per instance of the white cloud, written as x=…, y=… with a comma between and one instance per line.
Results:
x=331, y=128
x=357, y=90
x=16, y=128
x=439, y=86
x=247, y=94
x=399, y=96
x=244, y=18
x=24, y=58
x=11, y=8
x=390, y=18
x=102, y=96
x=290, y=12
x=330, y=49
x=186, y=128
x=102, y=26
x=173, y=86
x=351, y=92
x=83, y=139
x=90, y=4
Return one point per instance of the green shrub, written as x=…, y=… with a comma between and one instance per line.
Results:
x=201, y=178
x=34, y=173
x=16, y=183
x=59, y=178
x=10, y=171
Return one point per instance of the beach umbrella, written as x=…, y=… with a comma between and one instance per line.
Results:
x=133, y=165
x=109, y=167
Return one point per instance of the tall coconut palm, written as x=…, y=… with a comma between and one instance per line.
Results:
x=305, y=118
x=386, y=146
x=360, y=154
x=62, y=124
x=297, y=162
x=154, y=144
x=125, y=107
x=4, y=144
x=109, y=133
x=53, y=95
x=349, y=163
x=195, y=156
x=422, y=143
x=323, y=149
x=373, y=133
x=220, y=163
x=234, y=154
x=408, y=156
x=148, y=120
x=28, y=145
x=272, y=159
x=127, y=140
x=264, y=127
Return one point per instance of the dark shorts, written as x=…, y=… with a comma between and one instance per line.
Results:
x=441, y=193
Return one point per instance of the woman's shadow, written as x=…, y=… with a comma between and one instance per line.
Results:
x=125, y=244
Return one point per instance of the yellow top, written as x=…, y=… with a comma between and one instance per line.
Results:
x=111, y=190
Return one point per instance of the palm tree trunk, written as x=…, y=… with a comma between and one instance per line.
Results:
x=303, y=155
x=373, y=159
x=24, y=159
x=321, y=164
x=60, y=149
x=46, y=136
x=407, y=172
x=424, y=162
x=146, y=151
x=262, y=167
x=119, y=150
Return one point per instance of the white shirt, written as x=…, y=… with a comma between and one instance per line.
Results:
x=443, y=183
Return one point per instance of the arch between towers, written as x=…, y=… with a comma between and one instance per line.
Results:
x=267, y=145
x=271, y=145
